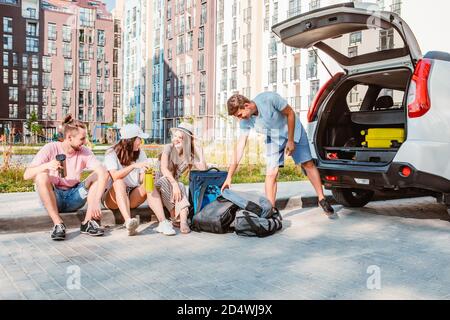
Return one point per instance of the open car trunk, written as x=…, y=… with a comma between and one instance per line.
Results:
x=358, y=105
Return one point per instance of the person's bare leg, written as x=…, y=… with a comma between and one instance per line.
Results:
x=154, y=202
x=314, y=177
x=45, y=190
x=91, y=184
x=122, y=200
x=184, y=225
x=271, y=185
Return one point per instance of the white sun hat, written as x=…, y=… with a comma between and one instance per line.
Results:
x=185, y=127
x=130, y=131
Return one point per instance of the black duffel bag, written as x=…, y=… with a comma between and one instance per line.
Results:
x=216, y=217
x=250, y=224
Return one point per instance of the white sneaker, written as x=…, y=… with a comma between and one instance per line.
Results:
x=131, y=226
x=165, y=227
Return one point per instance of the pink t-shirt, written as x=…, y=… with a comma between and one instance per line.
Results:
x=76, y=163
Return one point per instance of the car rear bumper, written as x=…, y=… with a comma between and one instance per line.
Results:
x=380, y=178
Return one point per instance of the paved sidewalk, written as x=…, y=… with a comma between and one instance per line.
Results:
x=21, y=212
x=401, y=247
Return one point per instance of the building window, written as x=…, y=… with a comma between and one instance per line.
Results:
x=85, y=82
x=52, y=32
x=7, y=42
x=68, y=66
x=32, y=95
x=15, y=59
x=355, y=38
x=67, y=33
x=67, y=82
x=85, y=67
x=387, y=39
x=32, y=29
x=34, y=62
x=101, y=38
x=7, y=25
x=100, y=53
x=24, y=61
x=204, y=14
x=13, y=110
x=87, y=17
x=35, y=78
x=15, y=78
x=13, y=94
x=67, y=50
x=53, y=97
x=32, y=44
x=51, y=47
x=201, y=38
x=116, y=101
x=352, y=52
x=46, y=64
x=31, y=109
x=5, y=59
x=5, y=76
x=202, y=110
x=31, y=13
x=46, y=80
x=25, y=77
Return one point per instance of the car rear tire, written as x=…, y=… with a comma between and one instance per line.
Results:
x=353, y=198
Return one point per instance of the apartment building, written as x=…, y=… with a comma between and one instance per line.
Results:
x=79, y=40
x=117, y=111
x=20, y=65
x=189, y=65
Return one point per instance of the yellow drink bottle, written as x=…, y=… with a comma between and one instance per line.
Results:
x=149, y=181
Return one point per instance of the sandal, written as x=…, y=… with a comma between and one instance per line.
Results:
x=176, y=223
x=184, y=228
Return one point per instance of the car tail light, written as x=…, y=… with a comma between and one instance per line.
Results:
x=315, y=104
x=331, y=178
x=405, y=171
x=418, y=95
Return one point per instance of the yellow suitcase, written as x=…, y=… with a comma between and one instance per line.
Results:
x=383, y=138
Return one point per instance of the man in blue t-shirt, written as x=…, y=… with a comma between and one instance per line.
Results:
x=272, y=116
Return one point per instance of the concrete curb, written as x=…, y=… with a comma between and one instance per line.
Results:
x=114, y=218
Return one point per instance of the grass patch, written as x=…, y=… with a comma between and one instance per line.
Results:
x=11, y=180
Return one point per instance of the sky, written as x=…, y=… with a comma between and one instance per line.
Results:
x=110, y=4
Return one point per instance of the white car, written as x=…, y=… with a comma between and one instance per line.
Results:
x=388, y=91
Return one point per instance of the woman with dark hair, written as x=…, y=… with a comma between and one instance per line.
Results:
x=126, y=164
x=176, y=159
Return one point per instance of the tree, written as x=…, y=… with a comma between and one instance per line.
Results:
x=131, y=118
x=33, y=126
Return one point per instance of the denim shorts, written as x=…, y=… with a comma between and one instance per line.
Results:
x=71, y=200
x=275, y=152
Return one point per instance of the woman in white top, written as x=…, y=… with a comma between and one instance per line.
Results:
x=126, y=164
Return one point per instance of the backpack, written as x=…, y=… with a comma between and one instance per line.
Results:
x=204, y=188
x=256, y=217
x=249, y=224
x=216, y=217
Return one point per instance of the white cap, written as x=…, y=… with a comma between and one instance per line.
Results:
x=130, y=131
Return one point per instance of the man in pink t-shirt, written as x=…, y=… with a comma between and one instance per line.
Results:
x=56, y=171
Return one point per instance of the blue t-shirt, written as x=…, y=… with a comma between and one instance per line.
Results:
x=270, y=121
